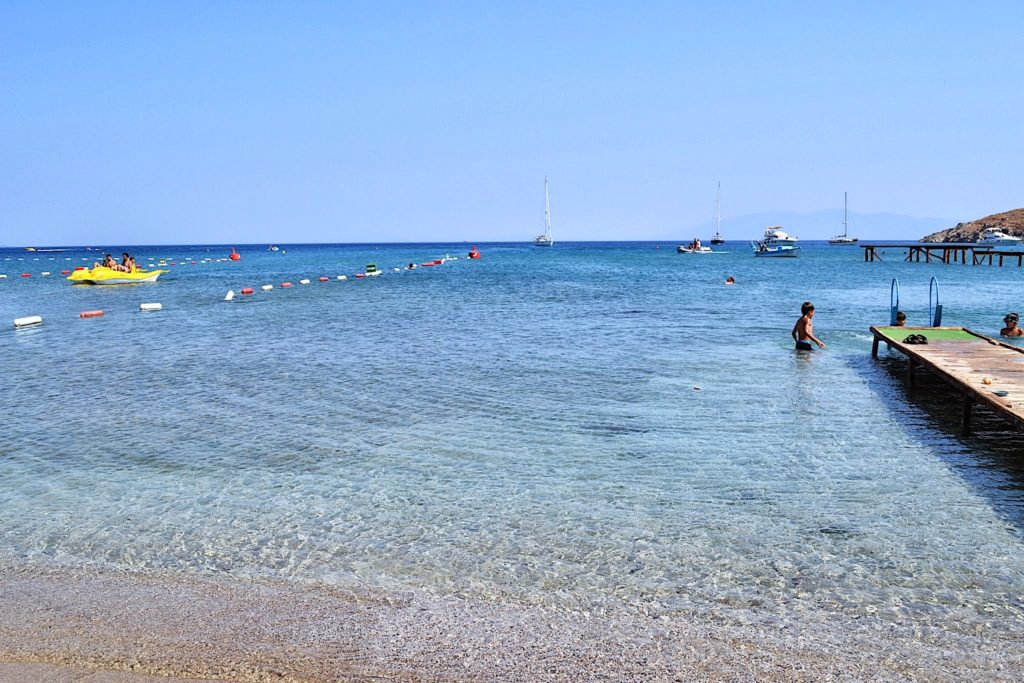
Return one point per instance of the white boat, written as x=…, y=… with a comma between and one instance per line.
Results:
x=694, y=247
x=545, y=240
x=994, y=237
x=775, y=236
x=718, y=239
x=845, y=237
x=778, y=250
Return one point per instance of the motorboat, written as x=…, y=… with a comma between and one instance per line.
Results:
x=273, y=247
x=777, y=250
x=101, y=275
x=775, y=236
x=372, y=270
x=996, y=238
x=845, y=237
x=545, y=240
x=694, y=247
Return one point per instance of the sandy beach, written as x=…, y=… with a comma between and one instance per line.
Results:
x=99, y=626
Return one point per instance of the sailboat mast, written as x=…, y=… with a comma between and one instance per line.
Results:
x=547, y=210
x=718, y=208
x=845, y=225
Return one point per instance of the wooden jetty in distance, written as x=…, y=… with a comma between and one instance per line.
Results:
x=984, y=370
x=945, y=252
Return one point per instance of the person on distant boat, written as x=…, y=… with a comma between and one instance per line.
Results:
x=803, y=331
x=1011, y=329
x=730, y=280
x=901, y=318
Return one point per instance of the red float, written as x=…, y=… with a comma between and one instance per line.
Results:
x=286, y=284
x=324, y=279
x=235, y=256
x=90, y=314
x=247, y=290
x=474, y=253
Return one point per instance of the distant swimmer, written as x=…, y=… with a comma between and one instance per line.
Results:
x=901, y=318
x=803, y=331
x=1011, y=329
x=730, y=280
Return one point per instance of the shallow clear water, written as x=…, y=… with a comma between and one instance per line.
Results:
x=526, y=427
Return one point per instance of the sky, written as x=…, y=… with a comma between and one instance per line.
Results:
x=251, y=122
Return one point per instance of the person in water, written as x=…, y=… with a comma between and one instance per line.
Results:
x=1011, y=329
x=803, y=331
x=730, y=280
x=901, y=318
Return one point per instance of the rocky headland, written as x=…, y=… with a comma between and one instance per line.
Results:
x=1010, y=222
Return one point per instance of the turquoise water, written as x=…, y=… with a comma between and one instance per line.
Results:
x=524, y=428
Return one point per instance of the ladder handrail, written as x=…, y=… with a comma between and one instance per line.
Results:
x=894, y=300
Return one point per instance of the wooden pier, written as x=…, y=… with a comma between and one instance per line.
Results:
x=946, y=252
x=985, y=371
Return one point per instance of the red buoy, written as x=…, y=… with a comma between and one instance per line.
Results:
x=247, y=290
x=474, y=253
x=90, y=314
x=26, y=274
x=286, y=284
x=65, y=272
x=324, y=279
x=438, y=262
x=235, y=256
x=79, y=267
x=360, y=274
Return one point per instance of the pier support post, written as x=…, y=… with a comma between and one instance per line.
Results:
x=874, y=348
x=911, y=379
x=965, y=424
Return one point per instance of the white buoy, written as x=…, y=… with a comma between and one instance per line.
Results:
x=3, y=276
x=45, y=273
x=28, y=320
x=230, y=295
x=267, y=288
x=398, y=270
x=342, y=277
x=303, y=282
x=150, y=307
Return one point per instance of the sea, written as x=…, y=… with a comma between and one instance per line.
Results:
x=593, y=426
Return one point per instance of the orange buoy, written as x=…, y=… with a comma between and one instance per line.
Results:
x=438, y=262
x=90, y=314
x=79, y=267
x=247, y=290
x=427, y=264
x=65, y=272
x=235, y=256
x=26, y=274
x=286, y=284
x=474, y=253
x=324, y=279
x=360, y=274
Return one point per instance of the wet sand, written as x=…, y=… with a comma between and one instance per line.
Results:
x=104, y=626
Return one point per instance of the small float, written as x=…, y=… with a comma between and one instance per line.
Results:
x=372, y=270
x=235, y=256
x=108, y=276
x=475, y=253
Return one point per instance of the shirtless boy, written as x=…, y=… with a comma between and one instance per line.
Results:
x=803, y=331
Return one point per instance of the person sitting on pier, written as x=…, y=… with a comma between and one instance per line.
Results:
x=1011, y=329
x=803, y=331
x=901, y=318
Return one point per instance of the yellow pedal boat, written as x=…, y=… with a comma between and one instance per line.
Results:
x=106, y=276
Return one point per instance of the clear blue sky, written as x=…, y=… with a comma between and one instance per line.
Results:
x=157, y=122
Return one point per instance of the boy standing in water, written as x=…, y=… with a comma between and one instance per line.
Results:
x=803, y=331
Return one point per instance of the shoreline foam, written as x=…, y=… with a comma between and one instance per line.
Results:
x=223, y=629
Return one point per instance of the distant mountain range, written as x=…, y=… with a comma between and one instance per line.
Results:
x=820, y=225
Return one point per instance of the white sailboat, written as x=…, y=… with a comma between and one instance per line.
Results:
x=718, y=239
x=844, y=238
x=545, y=240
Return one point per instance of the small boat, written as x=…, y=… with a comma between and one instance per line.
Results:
x=545, y=240
x=996, y=238
x=108, y=276
x=273, y=247
x=778, y=250
x=718, y=239
x=372, y=270
x=694, y=247
x=844, y=238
